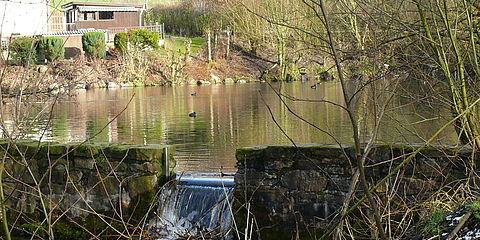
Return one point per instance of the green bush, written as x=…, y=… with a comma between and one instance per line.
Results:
x=183, y=19
x=433, y=224
x=24, y=50
x=144, y=38
x=120, y=42
x=52, y=48
x=475, y=207
x=94, y=44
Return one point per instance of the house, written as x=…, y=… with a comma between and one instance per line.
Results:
x=23, y=18
x=88, y=15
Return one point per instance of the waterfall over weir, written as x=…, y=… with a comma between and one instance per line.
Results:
x=196, y=206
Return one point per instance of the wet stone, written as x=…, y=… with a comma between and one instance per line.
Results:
x=59, y=173
x=145, y=167
x=141, y=184
x=75, y=176
x=84, y=163
x=310, y=181
x=103, y=186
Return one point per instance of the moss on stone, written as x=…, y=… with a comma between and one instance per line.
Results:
x=67, y=230
x=142, y=203
x=87, y=151
x=150, y=153
x=141, y=184
x=119, y=151
x=54, y=149
x=26, y=148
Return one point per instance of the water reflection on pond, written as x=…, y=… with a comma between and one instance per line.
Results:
x=228, y=117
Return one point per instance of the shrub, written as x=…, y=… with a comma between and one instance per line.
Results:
x=183, y=19
x=144, y=38
x=433, y=225
x=120, y=42
x=475, y=208
x=24, y=50
x=94, y=44
x=52, y=48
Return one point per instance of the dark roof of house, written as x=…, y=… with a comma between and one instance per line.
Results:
x=103, y=4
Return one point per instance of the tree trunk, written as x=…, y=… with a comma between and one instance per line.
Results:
x=188, y=44
x=228, y=44
x=209, y=43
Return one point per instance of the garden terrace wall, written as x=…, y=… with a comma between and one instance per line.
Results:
x=298, y=190
x=83, y=178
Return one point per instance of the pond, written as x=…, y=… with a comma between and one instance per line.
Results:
x=227, y=117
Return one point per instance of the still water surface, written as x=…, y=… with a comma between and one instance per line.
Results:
x=228, y=117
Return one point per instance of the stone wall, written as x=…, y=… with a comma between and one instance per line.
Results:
x=78, y=180
x=299, y=190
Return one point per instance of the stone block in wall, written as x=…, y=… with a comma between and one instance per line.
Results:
x=148, y=168
x=34, y=149
x=87, y=151
x=264, y=179
x=417, y=187
x=18, y=170
x=134, y=153
x=103, y=185
x=21, y=197
x=54, y=149
x=23, y=149
x=140, y=184
x=59, y=174
x=106, y=166
x=83, y=163
x=77, y=188
x=309, y=181
x=45, y=163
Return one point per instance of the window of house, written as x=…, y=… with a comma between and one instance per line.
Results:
x=69, y=17
x=88, y=16
x=105, y=15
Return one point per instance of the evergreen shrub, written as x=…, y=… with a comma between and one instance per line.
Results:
x=24, y=50
x=94, y=44
x=121, y=42
x=144, y=38
x=52, y=48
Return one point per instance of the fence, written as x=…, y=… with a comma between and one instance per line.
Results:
x=56, y=22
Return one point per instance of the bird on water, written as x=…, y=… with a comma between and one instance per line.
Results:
x=192, y=114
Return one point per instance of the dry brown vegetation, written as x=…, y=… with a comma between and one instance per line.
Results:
x=72, y=74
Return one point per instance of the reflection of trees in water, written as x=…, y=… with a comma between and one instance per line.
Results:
x=228, y=117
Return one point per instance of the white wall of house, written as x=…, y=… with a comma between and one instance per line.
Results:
x=24, y=17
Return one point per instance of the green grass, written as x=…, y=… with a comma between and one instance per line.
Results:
x=177, y=44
